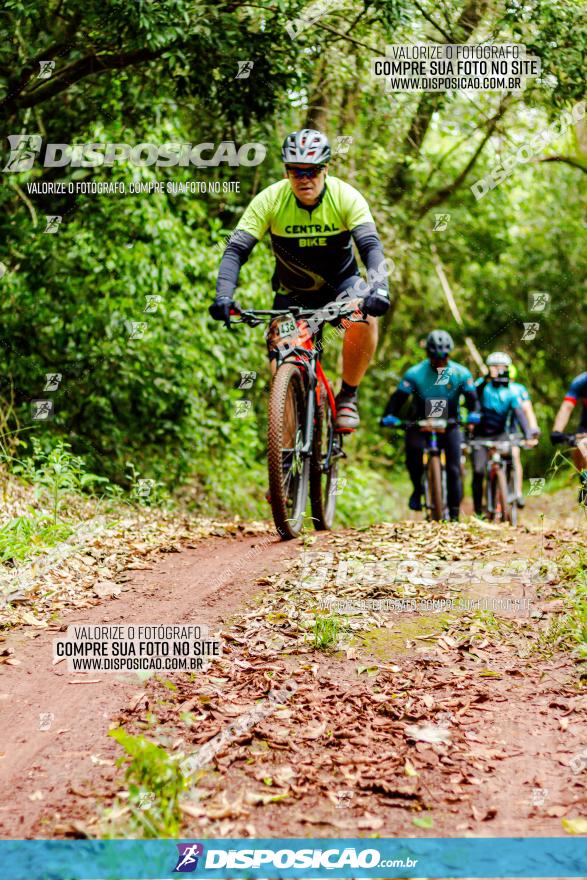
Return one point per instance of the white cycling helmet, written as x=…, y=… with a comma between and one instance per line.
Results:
x=499, y=359
x=307, y=145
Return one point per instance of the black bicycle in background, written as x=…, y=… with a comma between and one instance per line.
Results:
x=434, y=476
x=303, y=446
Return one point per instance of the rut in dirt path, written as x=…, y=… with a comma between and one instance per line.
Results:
x=43, y=771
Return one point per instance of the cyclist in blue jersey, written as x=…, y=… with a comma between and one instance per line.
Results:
x=435, y=382
x=576, y=393
x=528, y=408
x=500, y=404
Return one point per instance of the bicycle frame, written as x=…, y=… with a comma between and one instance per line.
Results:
x=432, y=449
x=499, y=458
x=303, y=443
x=307, y=357
x=432, y=427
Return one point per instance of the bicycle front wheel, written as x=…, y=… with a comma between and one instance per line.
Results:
x=512, y=496
x=289, y=469
x=502, y=509
x=435, y=487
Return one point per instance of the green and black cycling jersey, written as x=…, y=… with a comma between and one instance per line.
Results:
x=312, y=244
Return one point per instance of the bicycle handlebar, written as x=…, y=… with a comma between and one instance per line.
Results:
x=329, y=312
x=441, y=423
x=495, y=443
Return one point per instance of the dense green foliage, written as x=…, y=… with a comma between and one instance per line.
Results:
x=165, y=72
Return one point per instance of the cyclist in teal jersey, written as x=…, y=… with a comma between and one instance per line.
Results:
x=500, y=405
x=435, y=386
x=313, y=220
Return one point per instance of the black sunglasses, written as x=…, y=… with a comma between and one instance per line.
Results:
x=300, y=173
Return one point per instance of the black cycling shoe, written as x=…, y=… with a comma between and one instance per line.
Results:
x=521, y=501
x=415, y=502
x=454, y=515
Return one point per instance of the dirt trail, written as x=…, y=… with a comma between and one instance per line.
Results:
x=181, y=587
x=407, y=724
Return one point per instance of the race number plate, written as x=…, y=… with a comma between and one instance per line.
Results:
x=286, y=328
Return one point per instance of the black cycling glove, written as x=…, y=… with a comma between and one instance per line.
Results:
x=377, y=302
x=220, y=309
x=557, y=437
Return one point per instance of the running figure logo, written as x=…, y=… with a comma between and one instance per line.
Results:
x=23, y=150
x=244, y=69
x=436, y=409
x=187, y=860
x=530, y=331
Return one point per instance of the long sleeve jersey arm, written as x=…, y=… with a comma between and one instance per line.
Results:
x=471, y=399
x=371, y=252
x=238, y=251
x=395, y=403
x=403, y=391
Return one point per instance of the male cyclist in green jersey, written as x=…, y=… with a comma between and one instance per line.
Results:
x=313, y=220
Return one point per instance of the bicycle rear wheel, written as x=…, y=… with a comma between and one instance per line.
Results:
x=435, y=487
x=323, y=481
x=288, y=468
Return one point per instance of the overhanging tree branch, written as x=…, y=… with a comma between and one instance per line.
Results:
x=568, y=160
x=468, y=20
x=81, y=69
x=47, y=54
x=429, y=18
x=446, y=191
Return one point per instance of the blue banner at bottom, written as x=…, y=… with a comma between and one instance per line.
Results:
x=293, y=857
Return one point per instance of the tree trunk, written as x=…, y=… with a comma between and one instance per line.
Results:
x=399, y=179
x=319, y=101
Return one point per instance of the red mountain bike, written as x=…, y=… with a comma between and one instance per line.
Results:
x=303, y=447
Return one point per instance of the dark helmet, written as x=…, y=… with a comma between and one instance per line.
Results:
x=439, y=344
x=307, y=145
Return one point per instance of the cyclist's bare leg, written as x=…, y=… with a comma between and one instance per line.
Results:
x=360, y=342
x=578, y=457
x=580, y=460
x=518, y=472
